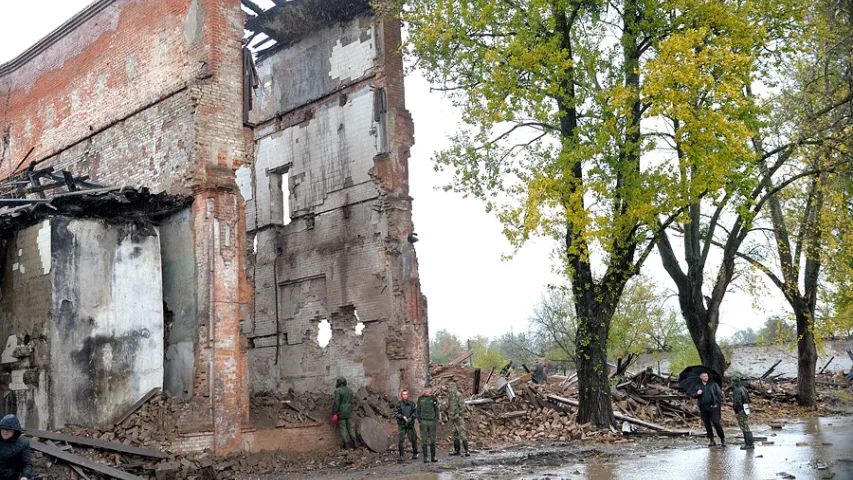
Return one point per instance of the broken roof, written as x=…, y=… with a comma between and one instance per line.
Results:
x=290, y=21
x=126, y=204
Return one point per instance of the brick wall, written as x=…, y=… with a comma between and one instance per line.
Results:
x=149, y=92
x=331, y=114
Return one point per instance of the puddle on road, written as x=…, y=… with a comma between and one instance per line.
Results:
x=830, y=444
x=429, y=476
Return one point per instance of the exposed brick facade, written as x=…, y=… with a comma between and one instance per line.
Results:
x=150, y=93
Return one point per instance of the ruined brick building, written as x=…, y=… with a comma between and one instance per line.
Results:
x=286, y=206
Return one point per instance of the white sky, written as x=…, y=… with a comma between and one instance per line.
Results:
x=470, y=290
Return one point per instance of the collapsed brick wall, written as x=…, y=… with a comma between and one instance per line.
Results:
x=327, y=206
x=149, y=93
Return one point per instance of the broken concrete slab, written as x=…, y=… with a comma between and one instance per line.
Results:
x=373, y=434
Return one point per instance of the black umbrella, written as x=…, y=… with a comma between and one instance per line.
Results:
x=690, y=382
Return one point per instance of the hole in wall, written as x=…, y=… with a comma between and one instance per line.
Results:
x=359, y=327
x=324, y=333
x=285, y=199
x=255, y=244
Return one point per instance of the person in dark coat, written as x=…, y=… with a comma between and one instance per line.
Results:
x=342, y=412
x=710, y=398
x=406, y=412
x=539, y=375
x=15, y=463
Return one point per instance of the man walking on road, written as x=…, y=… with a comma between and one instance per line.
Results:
x=740, y=402
x=710, y=398
x=342, y=412
x=456, y=414
x=428, y=416
x=406, y=412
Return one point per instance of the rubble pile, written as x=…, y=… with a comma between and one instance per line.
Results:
x=151, y=426
x=518, y=410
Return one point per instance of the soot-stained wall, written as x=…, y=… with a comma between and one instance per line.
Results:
x=328, y=208
x=107, y=331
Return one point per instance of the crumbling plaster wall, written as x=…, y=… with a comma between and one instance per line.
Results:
x=107, y=331
x=149, y=93
x=25, y=292
x=331, y=119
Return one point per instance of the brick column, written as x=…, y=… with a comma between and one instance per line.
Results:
x=219, y=220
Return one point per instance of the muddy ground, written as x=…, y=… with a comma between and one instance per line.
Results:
x=805, y=448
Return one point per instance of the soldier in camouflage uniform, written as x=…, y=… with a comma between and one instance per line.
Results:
x=342, y=412
x=456, y=414
x=740, y=397
x=428, y=416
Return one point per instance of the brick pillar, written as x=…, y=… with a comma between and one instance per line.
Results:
x=219, y=220
x=395, y=178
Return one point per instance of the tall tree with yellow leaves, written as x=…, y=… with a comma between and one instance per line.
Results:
x=564, y=104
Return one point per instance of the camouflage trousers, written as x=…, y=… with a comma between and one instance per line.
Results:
x=344, y=427
x=427, y=432
x=404, y=431
x=743, y=422
x=457, y=429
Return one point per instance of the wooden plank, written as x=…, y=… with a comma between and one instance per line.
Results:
x=83, y=462
x=77, y=469
x=136, y=406
x=827, y=364
x=96, y=443
x=664, y=397
x=461, y=358
x=490, y=376
x=476, y=381
x=770, y=370
x=624, y=418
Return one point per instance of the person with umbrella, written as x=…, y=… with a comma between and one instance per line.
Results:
x=710, y=398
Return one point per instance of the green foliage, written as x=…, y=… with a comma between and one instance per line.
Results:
x=445, y=347
x=777, y=330
x=642, y=323
x=596, y=124
x=486, y=354
x=684, y=353
x=742, y=337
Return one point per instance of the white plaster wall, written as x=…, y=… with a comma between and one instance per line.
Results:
x=315, y=67
x=107, y=334
x=332, y=151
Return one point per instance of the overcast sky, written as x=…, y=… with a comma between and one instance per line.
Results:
x=471, y=291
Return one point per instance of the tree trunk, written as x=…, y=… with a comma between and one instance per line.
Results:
x=806, y=358
x=710, y=353
x=593, y=373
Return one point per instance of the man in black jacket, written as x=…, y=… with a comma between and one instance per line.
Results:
x=15, y=463
x=710, y=398
x=406, y=412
